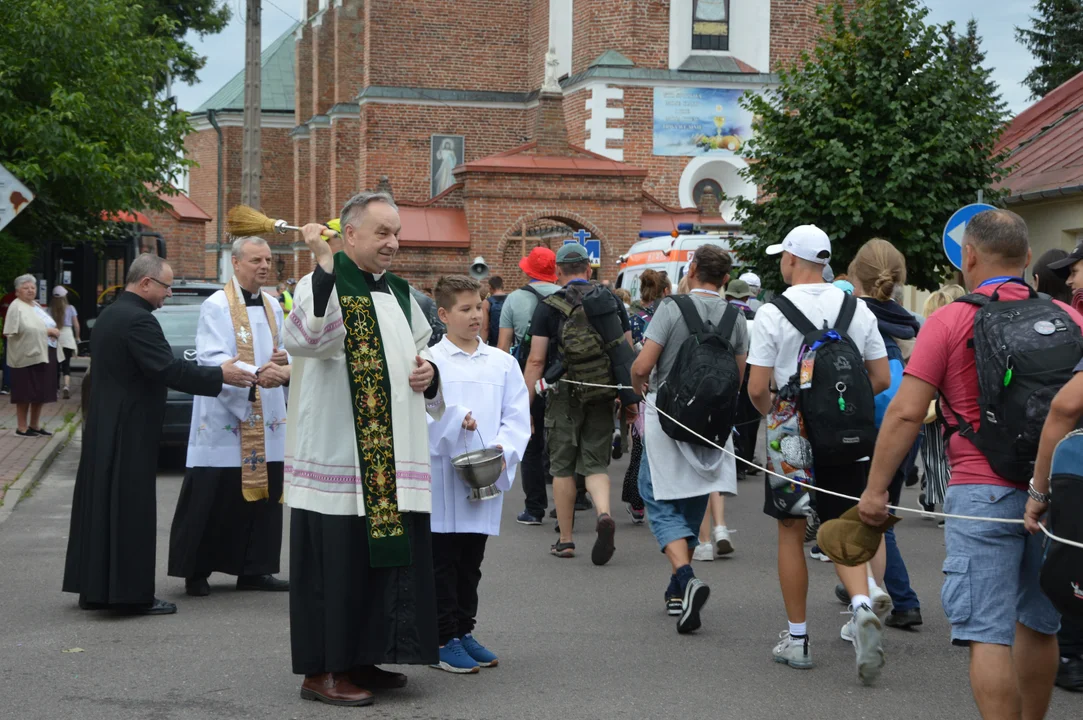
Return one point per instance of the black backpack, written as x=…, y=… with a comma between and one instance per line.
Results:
x=837, y=402
x=702, y=388
x=496, y=304
x=1062, y=569
x=521, y=350
x=1024, y=351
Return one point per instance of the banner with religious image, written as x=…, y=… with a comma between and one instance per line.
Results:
x=699, y=121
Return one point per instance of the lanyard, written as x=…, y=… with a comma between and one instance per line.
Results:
x=1001, y=280
x=701, y=291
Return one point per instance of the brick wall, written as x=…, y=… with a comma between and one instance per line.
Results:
x=458, y=44
x=203, y=179
x=795, y=28
x=397, y=141
x=349, y=47
x=184, y=240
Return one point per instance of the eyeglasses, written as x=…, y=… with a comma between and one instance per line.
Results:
x=167, y=287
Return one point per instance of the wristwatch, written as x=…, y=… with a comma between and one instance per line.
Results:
x=1035, y=495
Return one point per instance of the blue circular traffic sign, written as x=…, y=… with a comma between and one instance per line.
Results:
x=953, y=231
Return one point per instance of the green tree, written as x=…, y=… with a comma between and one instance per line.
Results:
x=1056, y=41
x=883, y=131
x=204, y=17
x=82, y=123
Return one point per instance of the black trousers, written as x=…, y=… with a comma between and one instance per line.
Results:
x=535, y=465
x=456, y=562
x=1071, y=637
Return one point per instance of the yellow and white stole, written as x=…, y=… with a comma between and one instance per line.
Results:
x=253, y=449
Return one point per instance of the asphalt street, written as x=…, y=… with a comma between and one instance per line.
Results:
x=575, y=641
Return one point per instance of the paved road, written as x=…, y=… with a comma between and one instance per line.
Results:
x=575, y=641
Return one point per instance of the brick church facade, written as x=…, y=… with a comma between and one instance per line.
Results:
x=498, y=125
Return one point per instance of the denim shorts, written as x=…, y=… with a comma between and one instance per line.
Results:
x=670, y=520
x=991, y=569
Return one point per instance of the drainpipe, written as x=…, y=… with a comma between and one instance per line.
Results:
x=213, y=120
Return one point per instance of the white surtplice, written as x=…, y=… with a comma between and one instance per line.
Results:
x=489, y=386
x=214, y=439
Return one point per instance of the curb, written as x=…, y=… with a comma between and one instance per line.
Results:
x=38, y=467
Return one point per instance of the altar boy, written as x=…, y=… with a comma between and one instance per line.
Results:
x=487, y=406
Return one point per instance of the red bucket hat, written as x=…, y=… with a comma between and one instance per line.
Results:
x=540, y=264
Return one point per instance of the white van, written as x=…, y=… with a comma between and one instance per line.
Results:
x=673, y=252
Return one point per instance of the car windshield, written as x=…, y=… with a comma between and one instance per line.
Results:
x=179, y=327
x=188, y=297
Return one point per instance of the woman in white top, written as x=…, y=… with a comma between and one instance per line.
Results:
x=31, y=337
x=67, y=319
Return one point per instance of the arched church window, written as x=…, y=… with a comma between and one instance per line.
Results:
x=710, y=24
x=708, y=196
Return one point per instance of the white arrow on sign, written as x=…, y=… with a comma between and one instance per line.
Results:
x=957, y=233
x=14, y=196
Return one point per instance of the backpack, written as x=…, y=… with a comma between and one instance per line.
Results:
x=1024, y=351
x=1061, y=576
x=584, y=352
x=701, y=390
x=835, y=396
x=496, y=304
x=521, y=350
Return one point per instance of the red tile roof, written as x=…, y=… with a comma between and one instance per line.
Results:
x=128, y=217
x=517, y=160
x=433, y=227
x=1046, y=142
x=183, y=207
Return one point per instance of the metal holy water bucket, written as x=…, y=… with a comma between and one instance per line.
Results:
x=480, y=469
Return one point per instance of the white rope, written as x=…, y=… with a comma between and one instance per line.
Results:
x=926, y=513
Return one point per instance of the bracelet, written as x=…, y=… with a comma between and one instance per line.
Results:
x=1035, y=495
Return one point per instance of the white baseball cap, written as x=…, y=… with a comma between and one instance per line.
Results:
x=807, y=242
x=59, y=291
x=752, y=279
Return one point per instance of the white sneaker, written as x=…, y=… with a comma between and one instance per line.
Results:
x=868, y=644
x=882, y=604
x=793, y=651
x=848, y=630
x=722, y=542
x=704, y=552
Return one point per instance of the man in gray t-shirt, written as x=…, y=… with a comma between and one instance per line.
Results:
x=668, y=329
x=518, y=311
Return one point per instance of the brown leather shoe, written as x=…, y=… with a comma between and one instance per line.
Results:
x=373, y=678
x=335, y=689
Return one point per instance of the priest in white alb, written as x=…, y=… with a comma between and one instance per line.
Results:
x=229, y=513
x=357, y=464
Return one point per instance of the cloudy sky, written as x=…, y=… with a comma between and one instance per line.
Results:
x=997, y=20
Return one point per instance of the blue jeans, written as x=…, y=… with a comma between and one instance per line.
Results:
x=896, y=578
x=991, y=569
x=670, y=520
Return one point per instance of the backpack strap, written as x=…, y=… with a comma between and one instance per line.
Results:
x=795, y=316
x=560, y=304
x=530, y=289
x=688, y=311
x=846, y=313
x=975, y=299
x=728, y=321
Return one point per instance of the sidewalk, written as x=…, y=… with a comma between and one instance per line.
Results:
x=18, y=454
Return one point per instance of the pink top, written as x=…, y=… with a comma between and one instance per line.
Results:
x=942, y=359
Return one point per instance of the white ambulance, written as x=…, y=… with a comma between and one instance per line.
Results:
x=673, y=252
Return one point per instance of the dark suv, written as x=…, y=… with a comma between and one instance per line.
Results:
x=179, y=323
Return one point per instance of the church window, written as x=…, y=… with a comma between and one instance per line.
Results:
x=710, y=24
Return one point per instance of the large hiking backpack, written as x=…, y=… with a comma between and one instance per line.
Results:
x=521, y=350
x=835, y=396
x=1024, y=351
x=496, y=304
x=581, y=346
x=701, y=390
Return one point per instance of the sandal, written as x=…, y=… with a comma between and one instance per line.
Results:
x=563, y=550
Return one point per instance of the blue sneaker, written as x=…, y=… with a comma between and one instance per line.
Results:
x=454, y=659
x=525, y=518
x=482, y=655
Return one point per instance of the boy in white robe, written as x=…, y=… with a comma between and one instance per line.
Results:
x=487, y=406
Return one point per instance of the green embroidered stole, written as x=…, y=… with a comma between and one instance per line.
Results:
x=370, y=392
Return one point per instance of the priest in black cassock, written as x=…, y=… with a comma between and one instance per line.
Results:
x=110, y=561
x=229, y=513
x=362, y=590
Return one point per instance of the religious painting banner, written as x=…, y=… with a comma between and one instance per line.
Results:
x=700, y=121
x=447, y=153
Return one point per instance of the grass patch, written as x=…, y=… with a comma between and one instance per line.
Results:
x=68, y=417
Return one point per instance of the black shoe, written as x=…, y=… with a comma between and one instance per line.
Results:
x=553, y=514
x=1070, y=674
x=749, y=470
x=158, y=607
x=695, y=595
x=603, y=545
x=742, y=475
x=843, y=596
x=582, y=502
x=904, y=619
x=197, y=587
x=30, y=433
x=618, y=451
x=266, y=583
x=41, y=431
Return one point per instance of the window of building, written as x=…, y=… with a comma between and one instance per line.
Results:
x=710, y=25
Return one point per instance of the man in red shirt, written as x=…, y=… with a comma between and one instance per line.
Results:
x=991, y=593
